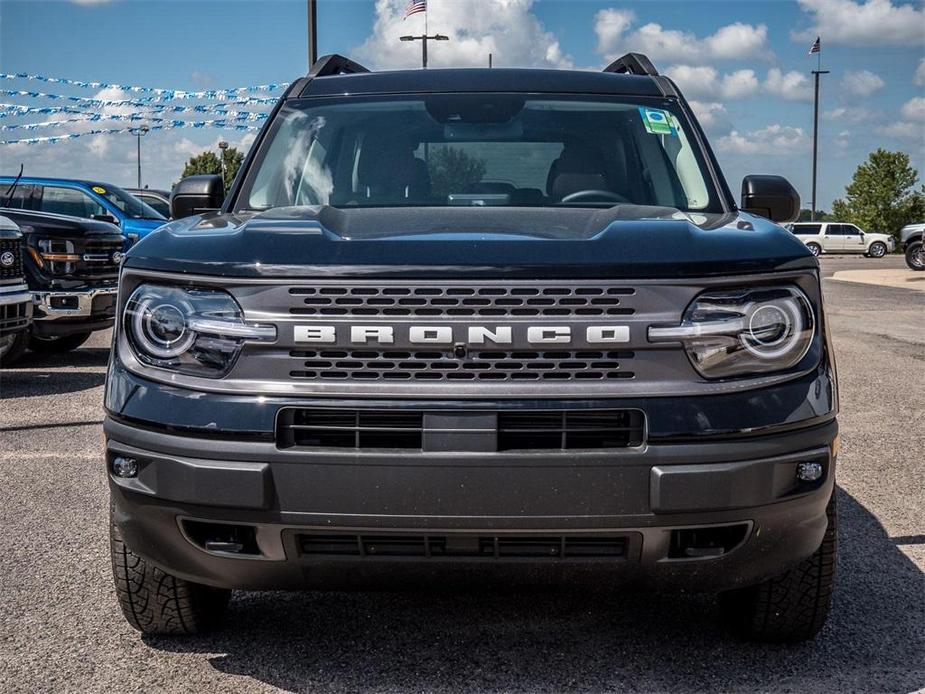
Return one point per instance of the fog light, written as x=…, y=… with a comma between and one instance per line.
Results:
x=809, y=472
x=125, y=467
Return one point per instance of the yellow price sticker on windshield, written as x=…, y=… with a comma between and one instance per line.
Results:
x=98, y=189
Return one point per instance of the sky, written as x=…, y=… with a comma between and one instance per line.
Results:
x=742, y=63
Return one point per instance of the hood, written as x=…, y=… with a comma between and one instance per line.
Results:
x=143, y=225
x=61, y=226
x=622, y=241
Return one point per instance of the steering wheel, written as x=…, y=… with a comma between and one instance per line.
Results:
x=582, y=194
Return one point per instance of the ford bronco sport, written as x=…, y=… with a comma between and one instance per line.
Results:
x=468, y=323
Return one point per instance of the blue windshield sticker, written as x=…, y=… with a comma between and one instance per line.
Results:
x=657, y=122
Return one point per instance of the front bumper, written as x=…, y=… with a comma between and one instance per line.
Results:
x=15, y=308
x=65, y=311
x=644, y=498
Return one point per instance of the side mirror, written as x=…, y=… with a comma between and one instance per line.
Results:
x=105, y=218
x=197, y=194
x=770, y=196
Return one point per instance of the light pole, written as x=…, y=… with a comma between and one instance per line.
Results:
x=816, y=73
x=312, y=33
x=222, y=146
x=138, y=133
x=424, y=38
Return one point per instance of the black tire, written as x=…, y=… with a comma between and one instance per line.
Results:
x=815, y=249
x=876, y=250
x=12, y=347
x=58, y=345
x=915, y=256
x=790, y=607
x=156, y=602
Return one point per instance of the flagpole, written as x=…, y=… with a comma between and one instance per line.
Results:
x=816, y=74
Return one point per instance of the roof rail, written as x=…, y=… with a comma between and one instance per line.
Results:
x=335, y=64
x=633, y=64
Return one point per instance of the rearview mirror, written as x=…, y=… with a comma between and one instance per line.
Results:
x=197, y=194
x=770, y=196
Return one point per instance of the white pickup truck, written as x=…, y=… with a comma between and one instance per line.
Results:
x=838, y=237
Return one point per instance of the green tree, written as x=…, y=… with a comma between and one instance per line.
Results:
x=882, y=195
x=821, y=216
x=209, y=163
x=452, y=170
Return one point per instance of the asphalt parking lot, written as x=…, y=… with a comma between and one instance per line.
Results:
x=60, y=629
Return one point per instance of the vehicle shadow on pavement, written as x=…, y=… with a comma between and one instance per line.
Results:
x=555, y=641
x=37, y=375
x=81, y=358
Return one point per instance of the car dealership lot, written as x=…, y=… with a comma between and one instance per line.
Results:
x=61, y=629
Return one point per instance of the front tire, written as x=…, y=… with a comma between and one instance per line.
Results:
x=793, y=606
x=12, y=347
x=814, y=248
x=877, y=250
x=156, y=602
x=58, y=345
x=915, y=256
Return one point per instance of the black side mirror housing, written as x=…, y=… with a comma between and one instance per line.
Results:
x=106, y=218
x=772, y=197
x=197, y=194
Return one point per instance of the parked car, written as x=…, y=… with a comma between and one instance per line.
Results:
x=72, y=267
x=913, y=243
x=837, y=237
x=15, y=297
x=84, y=199
x=576, y=357
x=155, y=199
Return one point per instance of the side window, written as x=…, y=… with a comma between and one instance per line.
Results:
x=807, y=229
x=22, y=197
x=835, y=230
x=69, y=201
x=851, y=230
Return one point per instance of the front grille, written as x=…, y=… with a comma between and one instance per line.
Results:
x=570, y=429
x=350, y=428
x=463, y=546
x=499, y=431
x=497, y=301
x=92, y=259
x=13, y=246
x=434, y=365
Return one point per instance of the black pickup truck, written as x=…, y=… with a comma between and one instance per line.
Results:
x=72, y=269
x=458, y=324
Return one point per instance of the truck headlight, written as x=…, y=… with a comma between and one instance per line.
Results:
x=195, y=331
x=745, y=331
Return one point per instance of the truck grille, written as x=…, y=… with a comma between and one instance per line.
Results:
x=13, y=246
x=464, y=545
x=87, y=258
x=496, y=301
x=433, y=365
x=304, y=427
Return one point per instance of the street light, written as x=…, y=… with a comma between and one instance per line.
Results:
x=424, y=38
x=138, y=133
x=223, y=146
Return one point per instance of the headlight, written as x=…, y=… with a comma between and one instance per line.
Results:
x=745, y=331
x=193, y=331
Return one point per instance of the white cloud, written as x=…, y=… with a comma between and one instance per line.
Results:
x=774, y=139
x=919, y=77
x=850, y=115
x=862, y=83
x=733, y=41
x=507, y=29
x=902, y=130
x=703, y=82
x=712, y=116
x=793, y=85
x=866, y=23
x=914, y=109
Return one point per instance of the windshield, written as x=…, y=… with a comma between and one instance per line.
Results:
x=129, y=204
x=480, y=150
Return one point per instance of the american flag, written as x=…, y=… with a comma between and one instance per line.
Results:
x=816, y=47
x=414, y=7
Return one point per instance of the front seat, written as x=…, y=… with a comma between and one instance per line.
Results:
x=578, y=168
x=388, y=170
